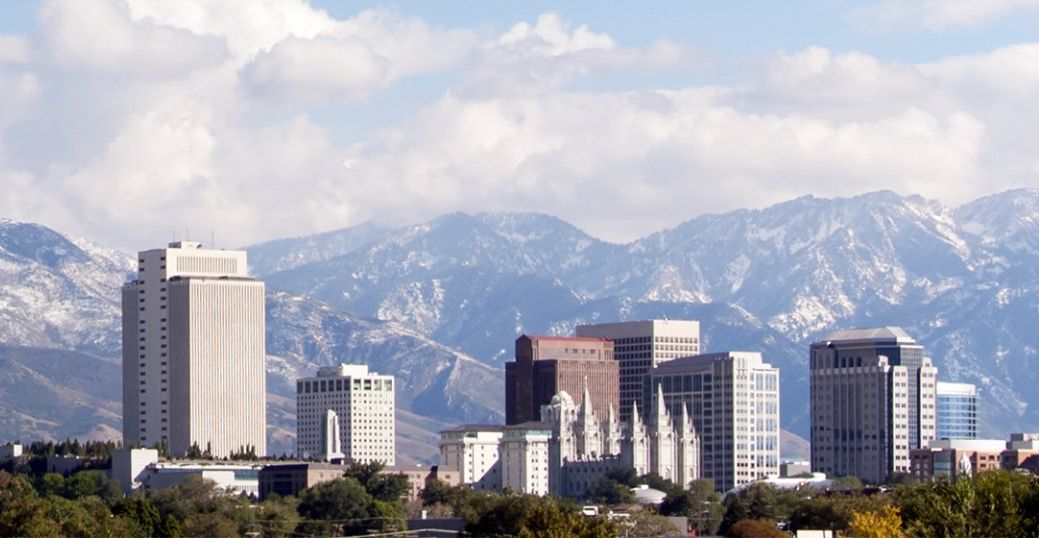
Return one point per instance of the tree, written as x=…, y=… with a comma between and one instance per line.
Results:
x=608, y=491
x=700, y=503
x=992, y=503
x=381, y=486
x=755, y=528
x=141, y=514
x=883, y=523
x=278, y=516
x=832, y=512
x=85, y=483
x=210, y=524
x=341, y=505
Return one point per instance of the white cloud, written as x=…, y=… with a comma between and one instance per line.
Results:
x=14, y=49
x=125, y=120
x=529, y=59
x=99, y=37
x=937, y=15
x=355, y=59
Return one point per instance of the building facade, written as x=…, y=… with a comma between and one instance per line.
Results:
x=733, y=401
x=957, y=406
x=638, y=346
x=472, y=451
x=524, y=455
x=194, y=352
x=362, y=403
x=951, y=458
x=873, y=400
x=546, y=365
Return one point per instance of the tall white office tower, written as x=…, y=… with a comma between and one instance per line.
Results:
x=362, y=400
x=873, y=401
x=732, y=399
x=193, y=352
x=639, y=346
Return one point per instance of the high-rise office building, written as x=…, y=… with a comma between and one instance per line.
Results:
x=957, y=411
x=733, y=401
x=193, y=352
x=364, y=404
x=638, y=346
x=546, y=365
x=873, y=398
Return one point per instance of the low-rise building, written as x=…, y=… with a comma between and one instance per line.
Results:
x=471, y=450
x=955, y=457
x=10, y=451
x=129, y=466
x=232, y=477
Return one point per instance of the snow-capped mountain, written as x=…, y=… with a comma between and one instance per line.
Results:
x=439, y=304
x=797, y=269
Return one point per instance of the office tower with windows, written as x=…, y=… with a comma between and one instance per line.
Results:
x=957, y=411
x=547, y=365
x=364, y=405
x=193, y=352
x=733, y=401
x=638, y=346
x=873, y=400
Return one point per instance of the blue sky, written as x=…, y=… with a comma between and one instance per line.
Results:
x=270, y=118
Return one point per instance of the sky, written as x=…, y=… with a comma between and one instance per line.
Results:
x=131, y=122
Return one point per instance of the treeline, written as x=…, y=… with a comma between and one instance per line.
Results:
x=994, y=503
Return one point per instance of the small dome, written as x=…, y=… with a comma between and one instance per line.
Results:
x=562, y=397
x=647, y=495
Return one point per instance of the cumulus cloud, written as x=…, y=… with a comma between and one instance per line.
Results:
x=939, y=15
x=354, y=59
x=531, y=58
x=125, y=119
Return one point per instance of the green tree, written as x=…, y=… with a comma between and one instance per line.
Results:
x=278, y=516
x=700, y=503
x=210, y=525
x=609, y=491
x=755, y=528
x=381, y=486
x=51, y=484
x=23, y=512
x=85, y=483
x=833, y=512
x=142, y=514
x=992, y=503
x=339, y=506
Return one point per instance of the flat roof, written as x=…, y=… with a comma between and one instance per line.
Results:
x=896, y=334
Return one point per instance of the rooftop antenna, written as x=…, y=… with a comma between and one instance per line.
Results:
x=212, y=239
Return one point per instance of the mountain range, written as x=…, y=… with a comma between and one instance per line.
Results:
x=439, y=304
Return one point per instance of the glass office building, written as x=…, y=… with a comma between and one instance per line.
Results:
x=957, y=405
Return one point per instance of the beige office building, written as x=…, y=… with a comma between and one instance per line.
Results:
x=363, y=401
x=193, y=352
x=472, y=451
x=873, y=400
x=638, y=346
x=732, y=399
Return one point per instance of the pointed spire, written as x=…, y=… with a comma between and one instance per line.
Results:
x=586, y=404
x=661, y=409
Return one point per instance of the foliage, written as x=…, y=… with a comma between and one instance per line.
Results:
x=993, y=503
x=341, y=506
x=883, y=523
x=847, y=482
x=381, y=486
x=277, y=516
x=607, y=491
x=647, y=524
x=700, y=503
x=527, y=515
x=759, y=501
x=833, y=512
x=755, y=528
